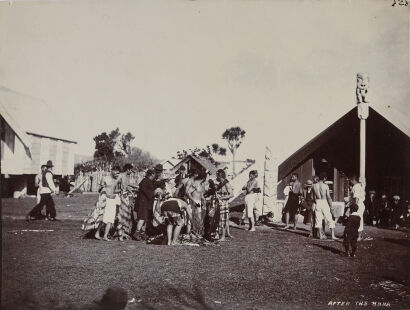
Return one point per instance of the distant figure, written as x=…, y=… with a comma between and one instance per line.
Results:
x=224, y=192
x=37, y=181
x=370, y=204
x=115, y=298
x=173, y=211
x=144, y=203
x=292, y=205
x=385, y=211
x=309, y=204
x=195, y=194
x=323, y=204
x=252, y=190
x=397, y=215
x=112, y=189
x=351, y=233
x=358, y=196
x=46, y=189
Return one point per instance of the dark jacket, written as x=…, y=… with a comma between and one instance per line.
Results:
x=145, y=196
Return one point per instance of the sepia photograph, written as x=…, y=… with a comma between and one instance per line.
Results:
x=205, y=154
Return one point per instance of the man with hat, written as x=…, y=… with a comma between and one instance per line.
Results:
x=370, y=212
x=397, y=212
x=308, y=202
x=46, y=189
x=385, y=210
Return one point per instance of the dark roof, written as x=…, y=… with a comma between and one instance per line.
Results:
x=205, y=163
x=347, y=125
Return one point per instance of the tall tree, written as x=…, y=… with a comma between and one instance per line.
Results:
x=112, y=145
x=234, y=137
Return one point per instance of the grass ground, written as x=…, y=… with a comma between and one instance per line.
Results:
x=269, y=269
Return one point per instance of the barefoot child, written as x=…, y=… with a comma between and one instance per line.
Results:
x=352, y=231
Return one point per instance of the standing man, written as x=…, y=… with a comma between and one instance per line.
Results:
x=322, y=209
x=112, y=188
x=46, y=189
x=37, y=181
x=144, y=202
x=292, y=205
x=371, y=208
x=358, y=196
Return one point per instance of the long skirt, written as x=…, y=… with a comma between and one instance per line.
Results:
x=212, y=218
x=124, y=224
x=197, y=219
x=94, y=218
x=223, y=215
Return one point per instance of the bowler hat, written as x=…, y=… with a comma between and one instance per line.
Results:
x=49, y=164
x=115, y=298
x=372, y=192
x=159, y=168
x=309, y=183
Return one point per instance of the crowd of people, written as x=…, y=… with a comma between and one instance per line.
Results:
x=194, y=203
x=197, y=205
x=315, y=202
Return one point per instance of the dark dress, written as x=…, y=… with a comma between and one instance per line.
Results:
x=396, y=214
x=385, y=212
x=145, y=199
x=371, y=212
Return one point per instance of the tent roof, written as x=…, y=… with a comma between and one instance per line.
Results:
x=32, y=116
x=394, y=117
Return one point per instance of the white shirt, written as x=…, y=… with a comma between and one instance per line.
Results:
x=51, y=187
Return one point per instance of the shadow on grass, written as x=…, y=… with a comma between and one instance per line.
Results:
x=403, y=242
x=182, y=299
x=298, y=231
x=328, y=248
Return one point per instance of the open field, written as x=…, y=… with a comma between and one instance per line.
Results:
x=269, y=269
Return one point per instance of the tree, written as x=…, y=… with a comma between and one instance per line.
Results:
x=112, y=145
x=234, y=137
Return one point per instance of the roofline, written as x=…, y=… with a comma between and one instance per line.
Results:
x=16, y=128
x=54, y=138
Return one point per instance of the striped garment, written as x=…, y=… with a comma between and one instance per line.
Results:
x=124, y=216
x=94, y=218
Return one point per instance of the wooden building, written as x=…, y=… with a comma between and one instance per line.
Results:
x=336, y=151
x=31, y=134
x=193, y=162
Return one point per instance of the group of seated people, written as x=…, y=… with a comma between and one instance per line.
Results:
x=384, y=212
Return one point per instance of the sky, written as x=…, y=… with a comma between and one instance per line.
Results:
x=176, y=74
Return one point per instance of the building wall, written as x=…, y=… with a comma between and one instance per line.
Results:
x=17, y=160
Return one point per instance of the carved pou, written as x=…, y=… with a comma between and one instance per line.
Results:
x=361, y=95
x=362, y=87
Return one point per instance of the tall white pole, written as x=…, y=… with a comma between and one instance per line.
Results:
x=363, y=114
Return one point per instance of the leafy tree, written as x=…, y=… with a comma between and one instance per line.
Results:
x=112, y=145
x=234, y=137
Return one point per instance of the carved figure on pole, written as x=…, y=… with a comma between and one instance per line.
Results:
x=361, y=95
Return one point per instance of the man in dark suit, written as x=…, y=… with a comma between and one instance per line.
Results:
x=144, y=203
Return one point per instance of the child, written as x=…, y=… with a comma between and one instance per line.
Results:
x=352, y=231
x=251, y=199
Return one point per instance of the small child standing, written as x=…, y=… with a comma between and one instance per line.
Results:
x=352, y=231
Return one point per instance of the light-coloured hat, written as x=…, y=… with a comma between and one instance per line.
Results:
x=372, y=192
x=309, y=183
x=396, y=197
